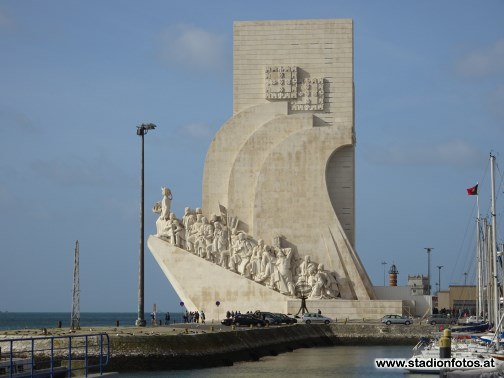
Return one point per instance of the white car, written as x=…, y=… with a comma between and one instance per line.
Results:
x=309, y=318
x=396, y=319
x=474, y=319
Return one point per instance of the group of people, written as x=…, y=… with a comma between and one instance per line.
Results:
x=194, y=317
x=219, y=240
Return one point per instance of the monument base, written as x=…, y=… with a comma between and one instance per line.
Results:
x=201, y=284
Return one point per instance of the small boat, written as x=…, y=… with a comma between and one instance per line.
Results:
x=472, y=327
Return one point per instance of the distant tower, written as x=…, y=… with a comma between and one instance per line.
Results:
x=393, y=272
x=75, y=320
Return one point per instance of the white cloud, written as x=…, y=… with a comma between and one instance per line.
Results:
x=193, y=47
x=197, y=130
x=484, y=62
x=452, y=153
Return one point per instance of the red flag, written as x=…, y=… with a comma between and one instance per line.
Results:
x=473, y=191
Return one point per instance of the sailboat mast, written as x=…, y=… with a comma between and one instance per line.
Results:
x=488, y=272
x=494, y=251
x=479, y=304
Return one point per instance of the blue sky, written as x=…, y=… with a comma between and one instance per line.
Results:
x=77, y=77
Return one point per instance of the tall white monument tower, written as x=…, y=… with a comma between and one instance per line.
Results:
x=278, y=206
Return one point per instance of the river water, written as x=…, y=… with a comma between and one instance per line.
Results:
x=336, y=361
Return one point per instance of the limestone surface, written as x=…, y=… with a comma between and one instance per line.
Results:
x=277, y=220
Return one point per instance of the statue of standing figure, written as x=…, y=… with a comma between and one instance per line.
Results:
x=163, y=209
x=284, y=280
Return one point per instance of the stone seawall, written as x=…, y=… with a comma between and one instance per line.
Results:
x=189, y=351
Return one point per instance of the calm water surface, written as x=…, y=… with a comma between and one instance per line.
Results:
x=339, y=361
x=24, y=320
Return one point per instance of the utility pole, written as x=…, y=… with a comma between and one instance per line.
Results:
x=75, y=318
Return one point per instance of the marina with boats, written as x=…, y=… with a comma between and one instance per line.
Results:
x=481, y=338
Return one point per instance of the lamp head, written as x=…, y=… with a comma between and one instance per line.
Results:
x=144, y=127
x=148, y=126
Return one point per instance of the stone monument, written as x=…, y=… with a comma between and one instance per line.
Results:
x=278, y=206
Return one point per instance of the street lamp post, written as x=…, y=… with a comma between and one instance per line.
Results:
x=439, y=276
x=428, y=249
x=140, y=322
x=384, y=263
x=465, y=278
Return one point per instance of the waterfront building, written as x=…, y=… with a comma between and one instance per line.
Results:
x=460, y=298
x=418, y=284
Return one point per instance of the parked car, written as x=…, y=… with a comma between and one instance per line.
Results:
x=309, y=318
x=396, y=319
x=440, y=319
x=227, y=321
x=244, y=320
x=286, y=319
x=268, y=317
x=474, y=319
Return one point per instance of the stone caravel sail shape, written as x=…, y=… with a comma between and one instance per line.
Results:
x=273, y=176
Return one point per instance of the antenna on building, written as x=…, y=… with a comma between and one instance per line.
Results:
x=75, y=319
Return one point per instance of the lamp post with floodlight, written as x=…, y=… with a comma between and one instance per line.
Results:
x=439, y=276
x=428, y=249
x=384, y=263
x=140, y=322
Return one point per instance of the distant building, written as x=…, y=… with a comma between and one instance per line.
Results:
x=461, y=298
x=419, y=285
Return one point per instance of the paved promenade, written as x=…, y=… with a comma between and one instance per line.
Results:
x=357, y=328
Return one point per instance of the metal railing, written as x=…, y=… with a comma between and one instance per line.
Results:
x=54, y=356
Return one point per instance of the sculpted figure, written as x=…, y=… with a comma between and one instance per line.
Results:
x=167, y=231
x=208, y=235
x=268, y=260
x=220, y=245
x=163, y=209
x=178, y=232
x=304, y=269
x=188, y=220
x=193, y=234
x=255, y=259
x=324, y=284
x=283, y=279
x=242, y=250
x=204, y=238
